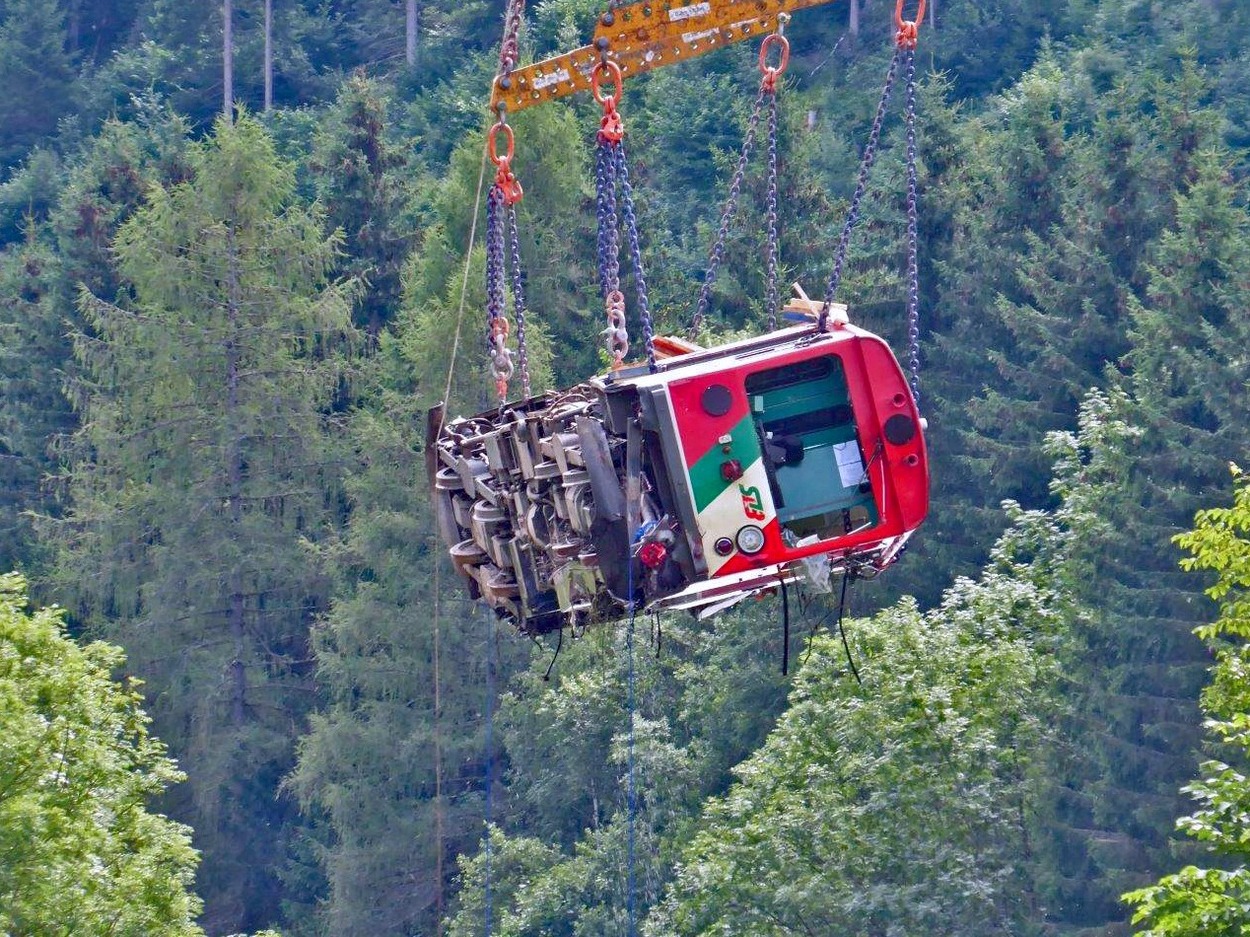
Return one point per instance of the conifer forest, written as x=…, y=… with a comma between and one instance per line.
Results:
x=246, y=246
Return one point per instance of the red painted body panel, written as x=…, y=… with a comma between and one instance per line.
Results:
x=899, y=474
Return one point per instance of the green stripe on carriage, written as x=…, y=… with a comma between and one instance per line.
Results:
x=706, y=480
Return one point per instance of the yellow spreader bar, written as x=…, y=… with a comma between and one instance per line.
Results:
x=640, y=37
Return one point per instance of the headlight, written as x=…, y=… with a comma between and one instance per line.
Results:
x=750, y=539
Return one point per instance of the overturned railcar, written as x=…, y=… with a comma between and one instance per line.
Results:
x=724, y=473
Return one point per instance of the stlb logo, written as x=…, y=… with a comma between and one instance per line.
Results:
x=752, y=502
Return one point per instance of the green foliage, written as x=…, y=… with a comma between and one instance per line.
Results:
x=1215, y=901
x=902, y=805
x=37, y=73
x=358, y=173
x=205, y=463
x=79, y=851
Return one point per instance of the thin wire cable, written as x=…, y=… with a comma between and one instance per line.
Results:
x=464, y=292
x=487, y=897
x=846, y=646
x=631, y=789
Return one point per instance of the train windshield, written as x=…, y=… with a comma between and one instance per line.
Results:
x=816, y=468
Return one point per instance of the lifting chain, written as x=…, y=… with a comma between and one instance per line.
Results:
x=518, y=299
x=771, y=297
x=904, y=51
x=861, y=185
x=913, y=224
x=503, y=249
x=497, y=327
x=613, y=190
x=767, y=94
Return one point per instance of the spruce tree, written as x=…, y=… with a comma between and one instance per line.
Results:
x=1138, y=670
x=204, y=469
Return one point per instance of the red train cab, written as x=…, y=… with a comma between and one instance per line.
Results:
x=726, y=472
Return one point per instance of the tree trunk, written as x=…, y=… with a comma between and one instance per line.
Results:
x=411, y=34
x=933, y=14
x=854, y=26
x=227, y=58
x=268, y=56
x=234, y=481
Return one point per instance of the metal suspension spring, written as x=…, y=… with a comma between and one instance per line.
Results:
x=861, y=185
x=731, y=208
x=913, y=237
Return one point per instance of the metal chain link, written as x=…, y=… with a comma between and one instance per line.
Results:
x=605, y=203
x=727, y=214
x=500, y=355
x=518, y=299
x=635, y=252
x=861, y=185
x=771, y=297
x=913, y=237
x=616, y=335
x=509, y=50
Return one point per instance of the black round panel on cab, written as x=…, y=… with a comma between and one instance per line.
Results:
x=900, y=429
x=717, y=400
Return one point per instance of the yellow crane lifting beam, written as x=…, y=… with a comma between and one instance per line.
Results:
x=640, y=37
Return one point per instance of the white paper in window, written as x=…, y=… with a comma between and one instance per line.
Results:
x=850, y=465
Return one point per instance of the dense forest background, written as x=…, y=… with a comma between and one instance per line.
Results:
x=220, y=328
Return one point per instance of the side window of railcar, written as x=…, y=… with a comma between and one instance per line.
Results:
x=816, y=469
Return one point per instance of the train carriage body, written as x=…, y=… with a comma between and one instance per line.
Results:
x=722, y=474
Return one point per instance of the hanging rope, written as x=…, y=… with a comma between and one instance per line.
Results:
x=767, y=95
x=614, y=203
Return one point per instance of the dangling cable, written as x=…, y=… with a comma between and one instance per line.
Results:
x=785, y=629
x=846, y=578
x=555, y=656
x=631, y=790
x=487, y=899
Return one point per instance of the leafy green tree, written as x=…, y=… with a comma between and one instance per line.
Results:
x=80, y=853
x=902, y=805
x=206, y=465
x=1215, y=902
